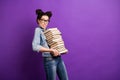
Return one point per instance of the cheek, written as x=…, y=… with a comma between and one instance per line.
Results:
x=41, y=23
x=45, y=24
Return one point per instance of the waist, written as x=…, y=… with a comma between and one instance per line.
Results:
x=52, y=57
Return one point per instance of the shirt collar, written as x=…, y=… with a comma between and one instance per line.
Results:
x=42, y=29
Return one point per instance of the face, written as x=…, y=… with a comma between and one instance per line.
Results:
x=43, y=22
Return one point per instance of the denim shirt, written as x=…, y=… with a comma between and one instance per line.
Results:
x=39, y=40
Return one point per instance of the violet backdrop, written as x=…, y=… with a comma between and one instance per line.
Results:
x=90, y=29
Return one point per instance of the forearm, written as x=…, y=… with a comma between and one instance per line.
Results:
x=43, y=49
x=52, y=51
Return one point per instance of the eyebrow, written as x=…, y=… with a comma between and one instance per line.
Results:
x=45, y=19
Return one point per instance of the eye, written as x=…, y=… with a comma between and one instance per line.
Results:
x=43, y=20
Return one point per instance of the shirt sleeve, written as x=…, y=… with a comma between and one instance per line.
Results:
x=36, y=40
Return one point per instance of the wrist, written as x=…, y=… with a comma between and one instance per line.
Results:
x=51, y=50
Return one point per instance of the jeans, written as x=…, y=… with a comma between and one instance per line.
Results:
x=55, y=66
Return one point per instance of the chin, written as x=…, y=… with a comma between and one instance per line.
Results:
x=45, y=27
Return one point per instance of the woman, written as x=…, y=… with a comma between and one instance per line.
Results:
x=53, y=62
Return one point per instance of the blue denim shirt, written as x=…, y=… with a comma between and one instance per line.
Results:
x=39, y=41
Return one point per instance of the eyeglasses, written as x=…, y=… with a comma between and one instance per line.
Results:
x=43, y=20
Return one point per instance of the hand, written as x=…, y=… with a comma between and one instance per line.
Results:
x=55, y=52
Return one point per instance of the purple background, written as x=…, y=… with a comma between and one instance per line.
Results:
x=90, y=29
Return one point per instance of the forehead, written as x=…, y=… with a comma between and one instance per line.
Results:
x=44, y=17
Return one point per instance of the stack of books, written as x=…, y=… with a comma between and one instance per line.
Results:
x=54, y=39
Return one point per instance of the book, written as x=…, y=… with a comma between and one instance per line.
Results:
x=55, y=41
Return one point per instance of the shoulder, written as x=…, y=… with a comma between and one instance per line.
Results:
x=37, y=29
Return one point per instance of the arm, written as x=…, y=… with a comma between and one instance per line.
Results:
x=36, y=40
x=54, y=52
x=37, y=47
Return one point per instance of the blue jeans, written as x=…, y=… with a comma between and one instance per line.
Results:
x=55, y=66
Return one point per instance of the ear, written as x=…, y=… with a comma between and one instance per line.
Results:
x=38, y=21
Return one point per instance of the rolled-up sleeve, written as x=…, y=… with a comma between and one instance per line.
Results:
x=36, y=40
